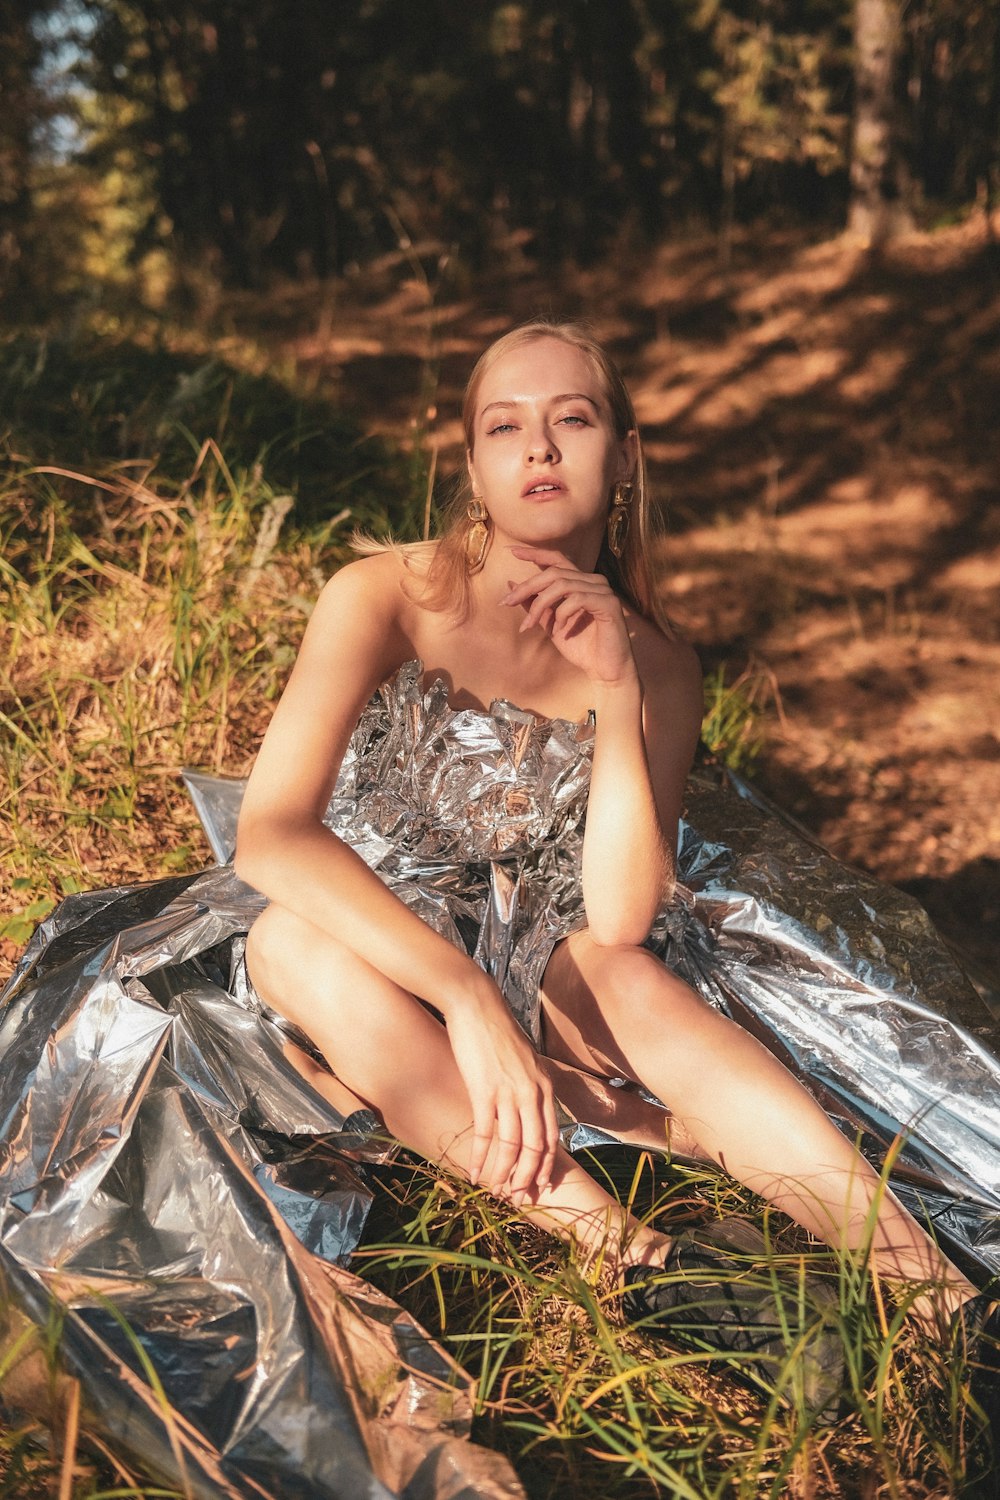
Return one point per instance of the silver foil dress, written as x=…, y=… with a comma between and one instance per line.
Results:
x=167, y=1176
x=474, y=818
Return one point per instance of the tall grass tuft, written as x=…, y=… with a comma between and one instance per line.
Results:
x=733, y=729
x=150, y=606
x=585, y=1405
x=161, y=640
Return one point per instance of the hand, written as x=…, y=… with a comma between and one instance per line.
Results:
x=514, y=1128
x=579, y=612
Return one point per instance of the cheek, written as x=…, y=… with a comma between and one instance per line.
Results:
x=494, y=466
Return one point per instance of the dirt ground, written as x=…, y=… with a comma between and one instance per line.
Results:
x=822, y=428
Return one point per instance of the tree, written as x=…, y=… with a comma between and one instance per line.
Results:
x=879, y=206
x=23, y=111
x=263, y=138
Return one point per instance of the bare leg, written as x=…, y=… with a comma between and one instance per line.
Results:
x=393, y=1054
x=622, y=1010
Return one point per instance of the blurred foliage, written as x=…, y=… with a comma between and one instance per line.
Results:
x=240, y=139
x=25, y=110
x=732, y=731
x=115, y=404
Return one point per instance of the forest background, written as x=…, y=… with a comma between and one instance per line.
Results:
x=249, y=249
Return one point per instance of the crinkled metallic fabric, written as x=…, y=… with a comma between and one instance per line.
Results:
x=474, y=819
x=170, y=1180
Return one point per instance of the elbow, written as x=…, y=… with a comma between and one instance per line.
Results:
x=627, y=921
x=244, y=862
x=273, y=853
x=625, y=932
x=250, y=857
x=612, y=939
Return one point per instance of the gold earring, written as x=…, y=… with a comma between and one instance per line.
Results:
x=618, y=518
x=477, y=538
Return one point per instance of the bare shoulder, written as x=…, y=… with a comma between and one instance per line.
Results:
x=374, y=582
x=365, y=600
x=354, y=641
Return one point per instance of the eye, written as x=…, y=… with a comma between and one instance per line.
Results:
x=500, y=427
x=575, y=420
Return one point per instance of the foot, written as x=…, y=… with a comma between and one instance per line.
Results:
x=715, y=1292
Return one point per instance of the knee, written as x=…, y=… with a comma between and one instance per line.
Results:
x=633, y=974
x=611, y=973
x=636, y=981
x=276, y=944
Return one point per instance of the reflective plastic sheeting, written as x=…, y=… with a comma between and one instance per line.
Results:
x=848, y=982
x=168, y=1175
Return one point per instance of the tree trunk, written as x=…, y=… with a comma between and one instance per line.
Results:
x=878, y=209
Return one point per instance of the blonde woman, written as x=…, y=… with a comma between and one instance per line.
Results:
x=527, y=722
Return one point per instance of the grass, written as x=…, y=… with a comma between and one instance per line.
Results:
x=580, y=1402
x=150, y=611
x=733, y=729
x=162, y=640
x=585, y=1405
x=151, y=605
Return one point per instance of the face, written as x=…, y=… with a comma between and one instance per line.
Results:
x=545, y=455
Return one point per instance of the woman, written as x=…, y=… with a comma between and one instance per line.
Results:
x=538, y=595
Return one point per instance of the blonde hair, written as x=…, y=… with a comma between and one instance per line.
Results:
x=445, y=584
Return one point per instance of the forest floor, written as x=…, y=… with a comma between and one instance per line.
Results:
x=822, y=426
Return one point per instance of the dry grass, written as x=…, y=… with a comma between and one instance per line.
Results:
x=161, y=641
x=584, y=1405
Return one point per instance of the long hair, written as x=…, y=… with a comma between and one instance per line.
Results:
x=445, y=585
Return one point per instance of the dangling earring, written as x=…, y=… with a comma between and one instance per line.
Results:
x=477, y=538
x=618, y=518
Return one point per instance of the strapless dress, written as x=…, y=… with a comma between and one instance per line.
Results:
x=474, y=818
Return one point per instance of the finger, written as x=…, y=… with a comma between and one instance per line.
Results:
x=483, y=1126
x=552, y=1137
x=565, y=629
x=573, y=606
x=552, y=592
x=569, y=578
x=524, y=1184
x=533, y=1148
x=544, y=622
x=528, y=587
x=546, y=556
x=555, y=598
x=507, y=1144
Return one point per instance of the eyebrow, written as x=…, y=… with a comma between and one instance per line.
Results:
x=554, y=400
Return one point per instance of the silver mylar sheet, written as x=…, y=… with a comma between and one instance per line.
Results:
x=846, y=979
x=167, y=1176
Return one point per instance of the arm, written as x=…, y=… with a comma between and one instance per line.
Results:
x=648, y=708
x=353, y=642
x=647, y=730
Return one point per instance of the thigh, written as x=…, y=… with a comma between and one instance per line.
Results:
x=367, y=1027
x=596, y=1001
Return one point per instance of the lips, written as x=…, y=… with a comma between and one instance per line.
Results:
x=539, y=488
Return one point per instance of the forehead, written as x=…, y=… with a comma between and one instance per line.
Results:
x=538, y=370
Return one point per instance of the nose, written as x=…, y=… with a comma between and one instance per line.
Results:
x=540, y=447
